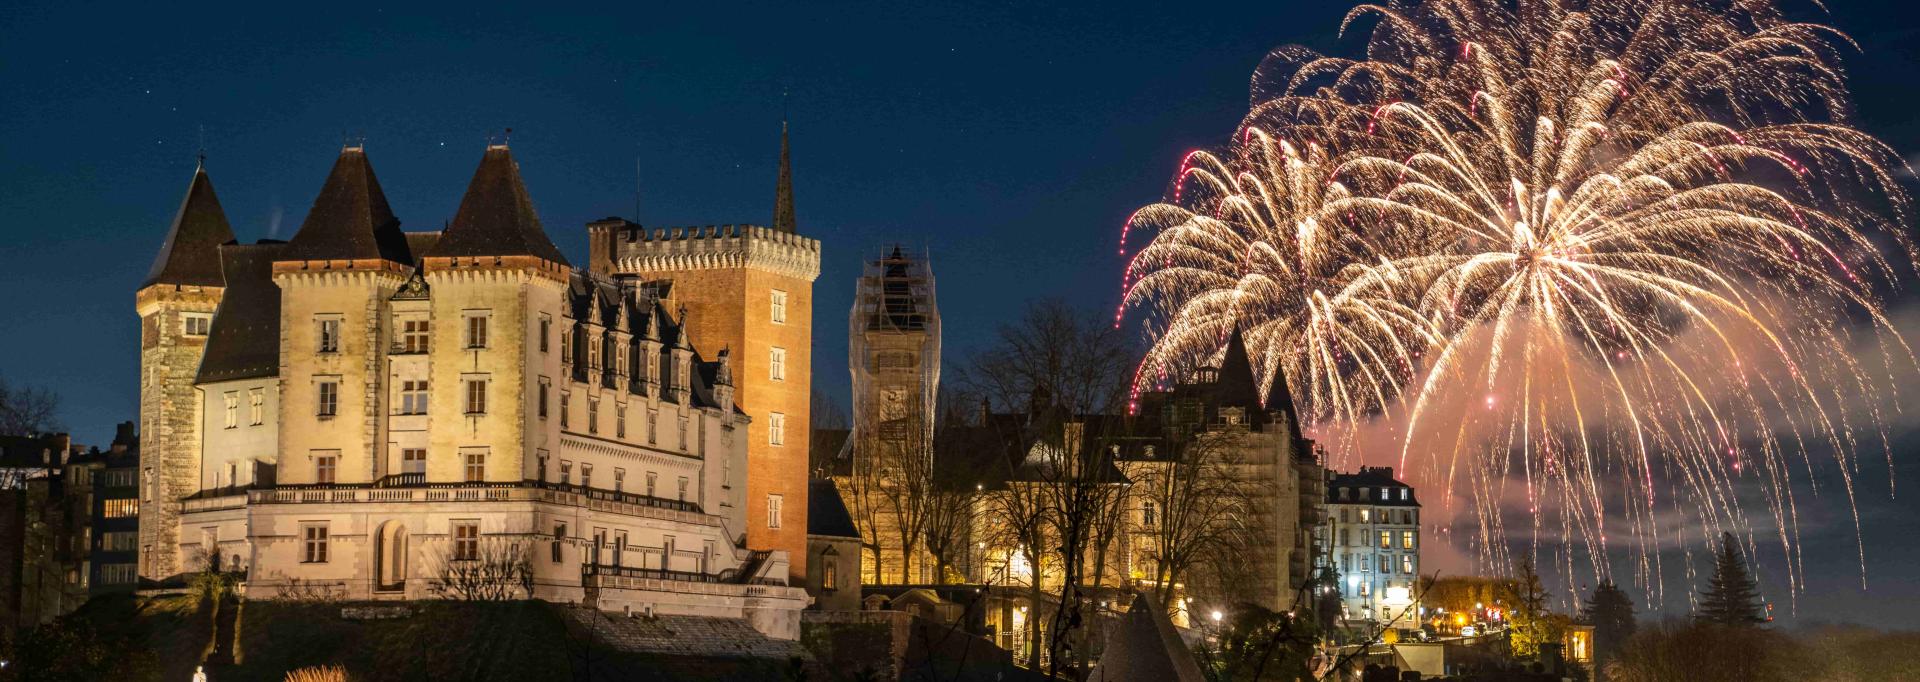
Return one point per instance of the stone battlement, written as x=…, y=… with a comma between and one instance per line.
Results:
x=621, y=246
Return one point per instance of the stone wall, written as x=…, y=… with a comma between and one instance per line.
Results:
x=169, y=418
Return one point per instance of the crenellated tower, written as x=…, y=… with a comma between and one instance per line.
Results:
x=176, y=304
x=748, y=290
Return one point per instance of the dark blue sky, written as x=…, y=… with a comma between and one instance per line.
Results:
x=1009, y=141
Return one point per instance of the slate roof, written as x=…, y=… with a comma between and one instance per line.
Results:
x=622, y=305
x=1372, y=478
x=419, y=243
x=350, y=219
x=244, y=342
x=1144, y=646
x=190, y=255
x=496, y=217
x=826, y=512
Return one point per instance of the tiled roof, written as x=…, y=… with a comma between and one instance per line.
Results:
x=1374, y=479
x=496, y=217
x=190, y=255
x=245, y=340
x=350, y=219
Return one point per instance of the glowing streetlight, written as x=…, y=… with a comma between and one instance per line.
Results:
x=1216, y=616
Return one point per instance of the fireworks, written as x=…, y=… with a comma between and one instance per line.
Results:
x=1604, y=258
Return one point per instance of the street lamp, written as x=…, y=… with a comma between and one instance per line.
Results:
x=1216, y=616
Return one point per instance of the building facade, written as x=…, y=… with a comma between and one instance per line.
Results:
x=893, y=353
x=382, y=414
x=749, y=290
x=1372, y=540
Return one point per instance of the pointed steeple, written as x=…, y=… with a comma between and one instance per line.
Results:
x=783, y=219
x=191, y=254
x=350, y=219
x=496, y=217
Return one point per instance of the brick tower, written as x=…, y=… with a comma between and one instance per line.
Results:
x=749, y=290
x=176, y=304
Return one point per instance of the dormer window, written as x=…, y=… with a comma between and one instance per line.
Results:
x=1403, y=494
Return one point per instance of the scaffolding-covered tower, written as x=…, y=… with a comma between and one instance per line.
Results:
x=894, y=354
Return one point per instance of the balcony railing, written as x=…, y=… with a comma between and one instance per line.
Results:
x=587, y=570
x=412, y=487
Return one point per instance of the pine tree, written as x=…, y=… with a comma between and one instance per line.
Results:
x=1611, y=613
x=1732, y=597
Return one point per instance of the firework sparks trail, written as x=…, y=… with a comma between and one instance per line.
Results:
x=1638, y=233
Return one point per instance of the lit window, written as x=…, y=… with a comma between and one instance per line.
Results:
x=1406, y=564
x=1403, y=494
x=1366, y=515
x=476, y=331
x=476, y=396
x=1146, y=514
x=779, y=313
x=476, y=467
x=329, y=335
x=256, y=406
x=314, y=539
x=777, y=365
x=327, y=399
x=196, y=324
x=325, y=467
x=466, y=541
x=1386, y=539
x=776, y=429
x=121, y=509
x=1406, y=539
x=829, y=575
x=1383, y=493
x=232, y=400
x=773, y=511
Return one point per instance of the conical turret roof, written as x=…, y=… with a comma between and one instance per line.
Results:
x=191, y=253
x=350, y=219
x=496, y=217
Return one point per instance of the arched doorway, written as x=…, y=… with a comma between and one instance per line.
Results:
x=390, y=558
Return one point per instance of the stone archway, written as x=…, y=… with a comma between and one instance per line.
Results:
x=390, y=558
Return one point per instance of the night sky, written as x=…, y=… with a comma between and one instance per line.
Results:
x=1008, y=142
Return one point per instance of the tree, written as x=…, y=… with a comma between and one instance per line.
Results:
x=27, y=411
x=1732, y=597
x=1527, y=603
x=1197, y=505
x=1611, y=613
x=499, y=569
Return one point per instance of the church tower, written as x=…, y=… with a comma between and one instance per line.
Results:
x=176, y=304
x=748, y=290
x=893, y=351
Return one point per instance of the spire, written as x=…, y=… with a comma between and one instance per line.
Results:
x=496, y=217
x=191, y=253
x=350, y=219
x=783, y=193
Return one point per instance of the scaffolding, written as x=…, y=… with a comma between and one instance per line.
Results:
x=894, y=347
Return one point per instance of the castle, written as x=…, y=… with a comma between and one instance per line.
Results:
x=366, y=413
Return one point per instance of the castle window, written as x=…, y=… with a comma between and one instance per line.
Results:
x=777, y=364
x=413, y=461
x=541, y=458
x=593, y=354
x=413, y=397
x=683, y=433
x=779, y=311
x=314, y=543
x=559, y=538
x=653, y=426
x=546, y=386
x=546, y=330
x=329, y=335
x=1146, y=514
x=683, y=488
x=619, y=547
x=413, y=336
x=196, y=324
x=256, y=406
x=327, y=398
x=326, y=468
x=619, y=479
x=566, y=472
x=476, y=330
x=776, y=429
x=466, y=541
x=619, y=421
x=652, y=478
x=476, y=469
x=586, y=475
x=566, y=401
x=476, y=396
x=593, y=415
x=773, y=511
x=829, y=576
x=566, y=347
x=232, y=400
